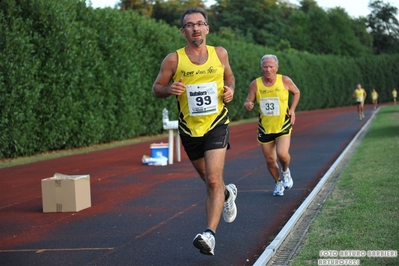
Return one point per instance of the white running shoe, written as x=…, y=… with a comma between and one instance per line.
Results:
x=205, y=242
x=287, y=179
x=279, y=189
x=229, y=207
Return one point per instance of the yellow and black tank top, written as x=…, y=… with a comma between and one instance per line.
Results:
x=201, y=106
x=273, y=106
x=359, y=94
x=374, y=95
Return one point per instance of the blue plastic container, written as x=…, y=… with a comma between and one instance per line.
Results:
x=159, y=149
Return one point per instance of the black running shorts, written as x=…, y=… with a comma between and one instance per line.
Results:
x=217, y=138
x=266, y=138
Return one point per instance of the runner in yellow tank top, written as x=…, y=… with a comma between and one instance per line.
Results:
x=201, y=79
x=394, y=95
x=200, y=106
x=276, y=117
x=374, y=98
x=360, y=95
x=273, y=106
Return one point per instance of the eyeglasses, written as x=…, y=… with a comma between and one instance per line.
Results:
x=191, y=25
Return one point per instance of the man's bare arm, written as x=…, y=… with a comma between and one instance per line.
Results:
x=293, y=89
x=251, y=96
x=229, y=79
x=162, y=87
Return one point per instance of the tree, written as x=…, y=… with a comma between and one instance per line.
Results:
x=170, y=11
x=261, y=21
x=298, y=31
x=344, y=40
x=319, y=29
x=307, y=5
x=312, y=29
x=143, y=6
x=283, y=25
x=384, y=27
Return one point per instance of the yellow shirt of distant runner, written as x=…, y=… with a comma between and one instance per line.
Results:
x=273, y=106
x=359, y=94
x=201, y=106
x=374, y=95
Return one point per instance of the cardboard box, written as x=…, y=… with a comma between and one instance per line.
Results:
x=65, y=193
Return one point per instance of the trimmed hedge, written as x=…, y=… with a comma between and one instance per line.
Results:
x=74, y=76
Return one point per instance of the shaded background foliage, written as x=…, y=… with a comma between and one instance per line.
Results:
x=279, y=23
x=73, y=76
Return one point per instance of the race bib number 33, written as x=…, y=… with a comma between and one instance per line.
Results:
x=270, y=106
x=202, y=99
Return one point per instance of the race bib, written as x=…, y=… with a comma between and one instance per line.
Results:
x=202, y=99
x=270, y=106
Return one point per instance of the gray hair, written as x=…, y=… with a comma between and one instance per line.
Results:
x=267, y=56
x=193, y=10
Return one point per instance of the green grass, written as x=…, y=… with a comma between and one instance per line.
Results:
x=362, y=213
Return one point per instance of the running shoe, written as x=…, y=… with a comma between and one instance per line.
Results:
x=229, y=207
x=279, y=189
x=205, y=242
x=287, y=179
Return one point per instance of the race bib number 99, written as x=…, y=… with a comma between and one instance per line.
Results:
x=202, y=99
x=270, y=106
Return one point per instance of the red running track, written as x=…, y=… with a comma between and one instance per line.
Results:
x=148, y=215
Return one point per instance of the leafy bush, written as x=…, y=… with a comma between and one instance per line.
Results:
x=73, y=76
